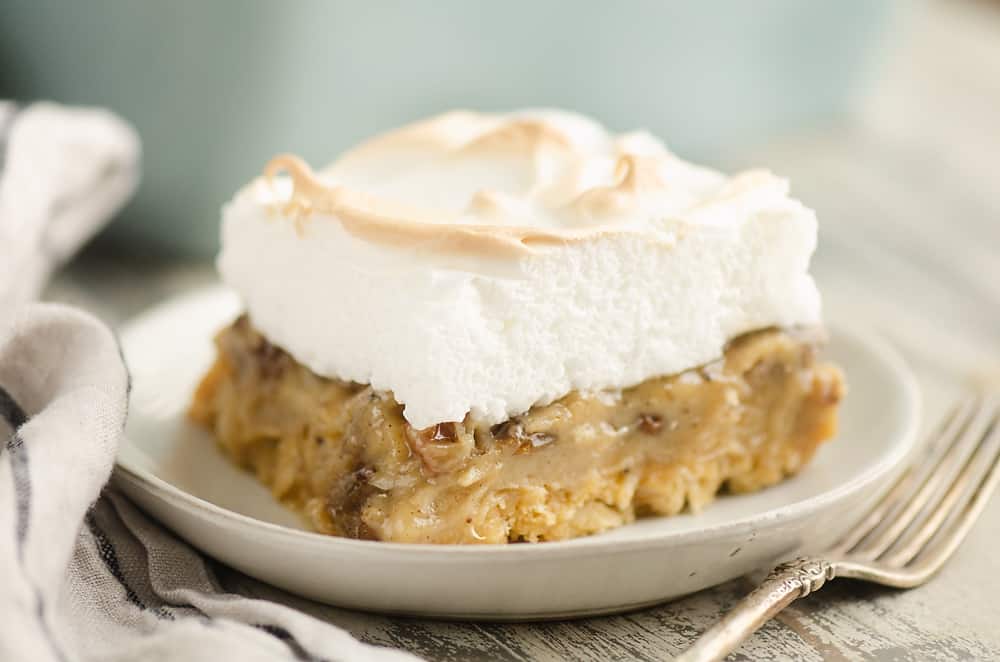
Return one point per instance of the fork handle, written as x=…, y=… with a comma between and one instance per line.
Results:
x=783, y=585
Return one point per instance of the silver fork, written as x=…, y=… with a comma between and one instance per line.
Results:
x=906, y=538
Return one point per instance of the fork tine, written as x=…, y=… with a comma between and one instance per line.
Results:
x=959, y=494
x=940, y=549
x=933, y=488
x=943, y=438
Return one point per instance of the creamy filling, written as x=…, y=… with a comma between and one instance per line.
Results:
x=343, y=454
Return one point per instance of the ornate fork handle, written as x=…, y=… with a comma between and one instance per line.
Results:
x=783, y=585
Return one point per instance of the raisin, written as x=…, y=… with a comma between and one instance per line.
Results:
x=442, y=432
x=650, y=423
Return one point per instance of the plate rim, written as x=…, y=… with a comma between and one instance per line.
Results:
x=875, y=343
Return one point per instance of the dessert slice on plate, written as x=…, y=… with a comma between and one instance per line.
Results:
x=501, y=328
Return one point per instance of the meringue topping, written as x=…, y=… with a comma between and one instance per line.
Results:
x=478, y=264
x=482, y=184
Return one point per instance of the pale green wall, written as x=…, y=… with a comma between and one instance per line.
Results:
x=216, y=87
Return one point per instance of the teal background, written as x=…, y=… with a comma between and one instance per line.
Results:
x=217, y=87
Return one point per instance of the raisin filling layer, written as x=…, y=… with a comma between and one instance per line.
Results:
x=343, y=455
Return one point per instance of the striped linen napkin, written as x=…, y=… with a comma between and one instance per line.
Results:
x=83, y=574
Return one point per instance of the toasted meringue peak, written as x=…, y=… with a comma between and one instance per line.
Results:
x=501, y=185
x=479, y=264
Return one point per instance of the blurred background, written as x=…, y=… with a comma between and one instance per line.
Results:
x=216, y=88
x=885, y=115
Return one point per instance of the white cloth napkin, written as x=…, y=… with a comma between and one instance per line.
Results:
x=83, y=574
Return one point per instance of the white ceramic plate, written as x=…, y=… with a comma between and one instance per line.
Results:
x=174, y=471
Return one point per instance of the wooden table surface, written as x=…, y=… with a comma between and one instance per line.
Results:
x=908, y=195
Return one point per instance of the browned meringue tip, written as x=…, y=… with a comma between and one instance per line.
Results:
x=373, y=219
x=380, y=221
x=491, y=222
